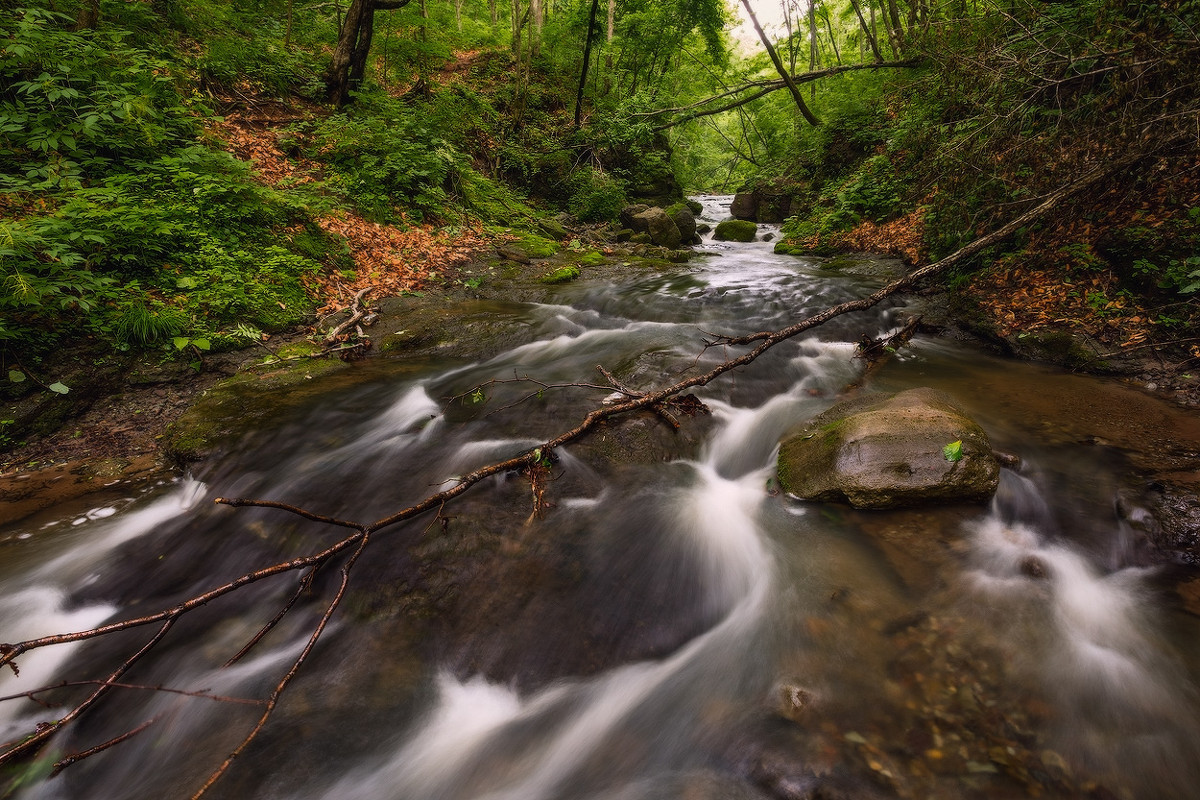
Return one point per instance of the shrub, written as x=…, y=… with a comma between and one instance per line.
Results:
x=595, y=196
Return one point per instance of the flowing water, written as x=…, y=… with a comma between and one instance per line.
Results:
x=671, y=626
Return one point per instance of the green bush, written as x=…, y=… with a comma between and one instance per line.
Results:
x=596, y=196
x=265, y=64
x=76, y=104
x=383, y=158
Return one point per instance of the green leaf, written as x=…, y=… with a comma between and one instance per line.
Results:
x=186, y=283
x=59, y=388
x=953, y=451
x=202, y=344
x=16, y=376
x=181, y=342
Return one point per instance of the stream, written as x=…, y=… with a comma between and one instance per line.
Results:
x=671, y=626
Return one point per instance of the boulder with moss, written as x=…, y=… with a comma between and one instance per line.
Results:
x=915, y=447
x=661, y=227
x=735, y=230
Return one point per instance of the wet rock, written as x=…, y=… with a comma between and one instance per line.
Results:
x=792, y=701
x=744, y=206
x=889, y=451
x=1168, y=515
x=684, y=220
x=628, y=213
x=735, y=230
x=661, y=227
x=513, y=253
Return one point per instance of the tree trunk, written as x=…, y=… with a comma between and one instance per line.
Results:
x=837, y=56
x=516, y=28
x=89, y=16
x=349, y=63
x=537, y=14
x=812, y=45
x=587, y=58
x=897, y=26
x=868, y=33
x=783, y=73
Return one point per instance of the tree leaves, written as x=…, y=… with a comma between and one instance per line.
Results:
x=953, y=452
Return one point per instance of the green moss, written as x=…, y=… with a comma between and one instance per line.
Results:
x=535, y=246
x=735, y=230
x=562, y=275
x=592, y=258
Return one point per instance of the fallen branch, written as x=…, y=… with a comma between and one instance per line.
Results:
x=759, y=89
x=533, y=463
x=357, y=315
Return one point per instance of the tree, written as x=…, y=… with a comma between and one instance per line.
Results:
x=349, y=63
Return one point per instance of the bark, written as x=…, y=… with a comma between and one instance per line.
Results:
x=537, y=13
x=812, y=44
x=837, y=56
x=349, y=62
x=587, y=59
x=89, y=16
x=515, y=7
x=787, y=78
x=867, y=34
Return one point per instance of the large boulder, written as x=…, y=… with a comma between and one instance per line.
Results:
x=887, y=451
x=744, y=206
x=685, y=220
x=658, y=223
x=735, y=230
x=627, y=216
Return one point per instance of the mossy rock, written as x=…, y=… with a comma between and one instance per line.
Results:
x=912, y=448
x=592, y=258
x=562, y=275
x=791, y=248
x=248, y=401
x=552, y=228
x=735, y=230
x=535, y=246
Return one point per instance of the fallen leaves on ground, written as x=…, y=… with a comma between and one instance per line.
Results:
x=901, y=237
x=392, y=259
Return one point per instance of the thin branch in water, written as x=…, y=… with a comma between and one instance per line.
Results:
x=201, y=693
x=75, y=758
x=280, y=687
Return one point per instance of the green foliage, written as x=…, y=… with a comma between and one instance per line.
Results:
x=267, y=66
x=77, y=103
x=1177, y=275
x=383, y=158
x=595, y=196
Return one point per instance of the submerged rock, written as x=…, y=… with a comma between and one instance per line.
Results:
x=887, y=451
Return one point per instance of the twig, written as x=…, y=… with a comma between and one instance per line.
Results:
x=75, y=758
x=273, y=700
x=202, y=693
x=356, y=316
